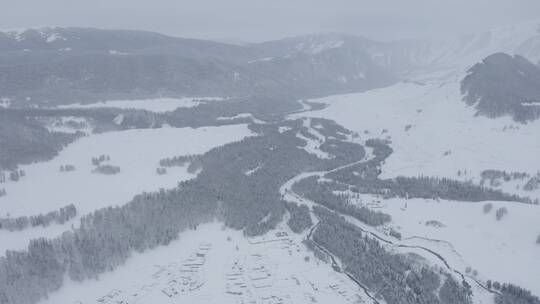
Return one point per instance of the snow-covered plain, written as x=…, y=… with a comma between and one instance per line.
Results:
x=501, y=250
x=433, y=132
x=136, y=152
x=158, y=105
x=216, y=265
x=412, y=244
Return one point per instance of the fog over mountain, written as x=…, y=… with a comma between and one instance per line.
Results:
x=257, y=21
x=270, y=152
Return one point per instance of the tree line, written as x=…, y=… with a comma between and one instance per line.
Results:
x=322, y=193
x=59, y=216
x=396, y=278
x=25, y=140
x=365, y=179
x=107, y=237
x=512, y=294
x=106, y=169
x=300, y=218
x=177, y=161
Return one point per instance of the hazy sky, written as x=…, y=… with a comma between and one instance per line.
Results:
x=256, y=20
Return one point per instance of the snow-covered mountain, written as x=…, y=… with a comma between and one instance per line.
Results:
x=504, y=85
x=429, y=55
x=414, y=58
x=61, y=65
x=92, y=40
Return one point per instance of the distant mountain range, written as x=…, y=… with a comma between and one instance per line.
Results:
x=414, y=56
x=65, y=65
x=50, y=66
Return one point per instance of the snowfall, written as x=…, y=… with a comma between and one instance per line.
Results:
x=432, y=132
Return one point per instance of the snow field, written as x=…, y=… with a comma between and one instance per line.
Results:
x=158, y=105
x=217, y=265
x=433, y=132
x=499, y=250
x=137, y=153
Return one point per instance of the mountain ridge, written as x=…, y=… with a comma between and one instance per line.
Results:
x=55, y=65
x=73, y=67
x=504, y=85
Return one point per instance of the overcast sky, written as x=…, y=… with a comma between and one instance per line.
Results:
x=257, y=20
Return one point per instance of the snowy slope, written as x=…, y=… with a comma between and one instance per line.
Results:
x=136, y=152
x=427, y=121
x=45, y=34
x=522, y=38
x=413, y=58
x=434, y=133
x=501, y=250
x=416, y=57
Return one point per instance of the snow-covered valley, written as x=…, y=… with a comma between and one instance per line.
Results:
x=406, y=190
x=136, y=152
x=434, y=133
x=465, y=237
